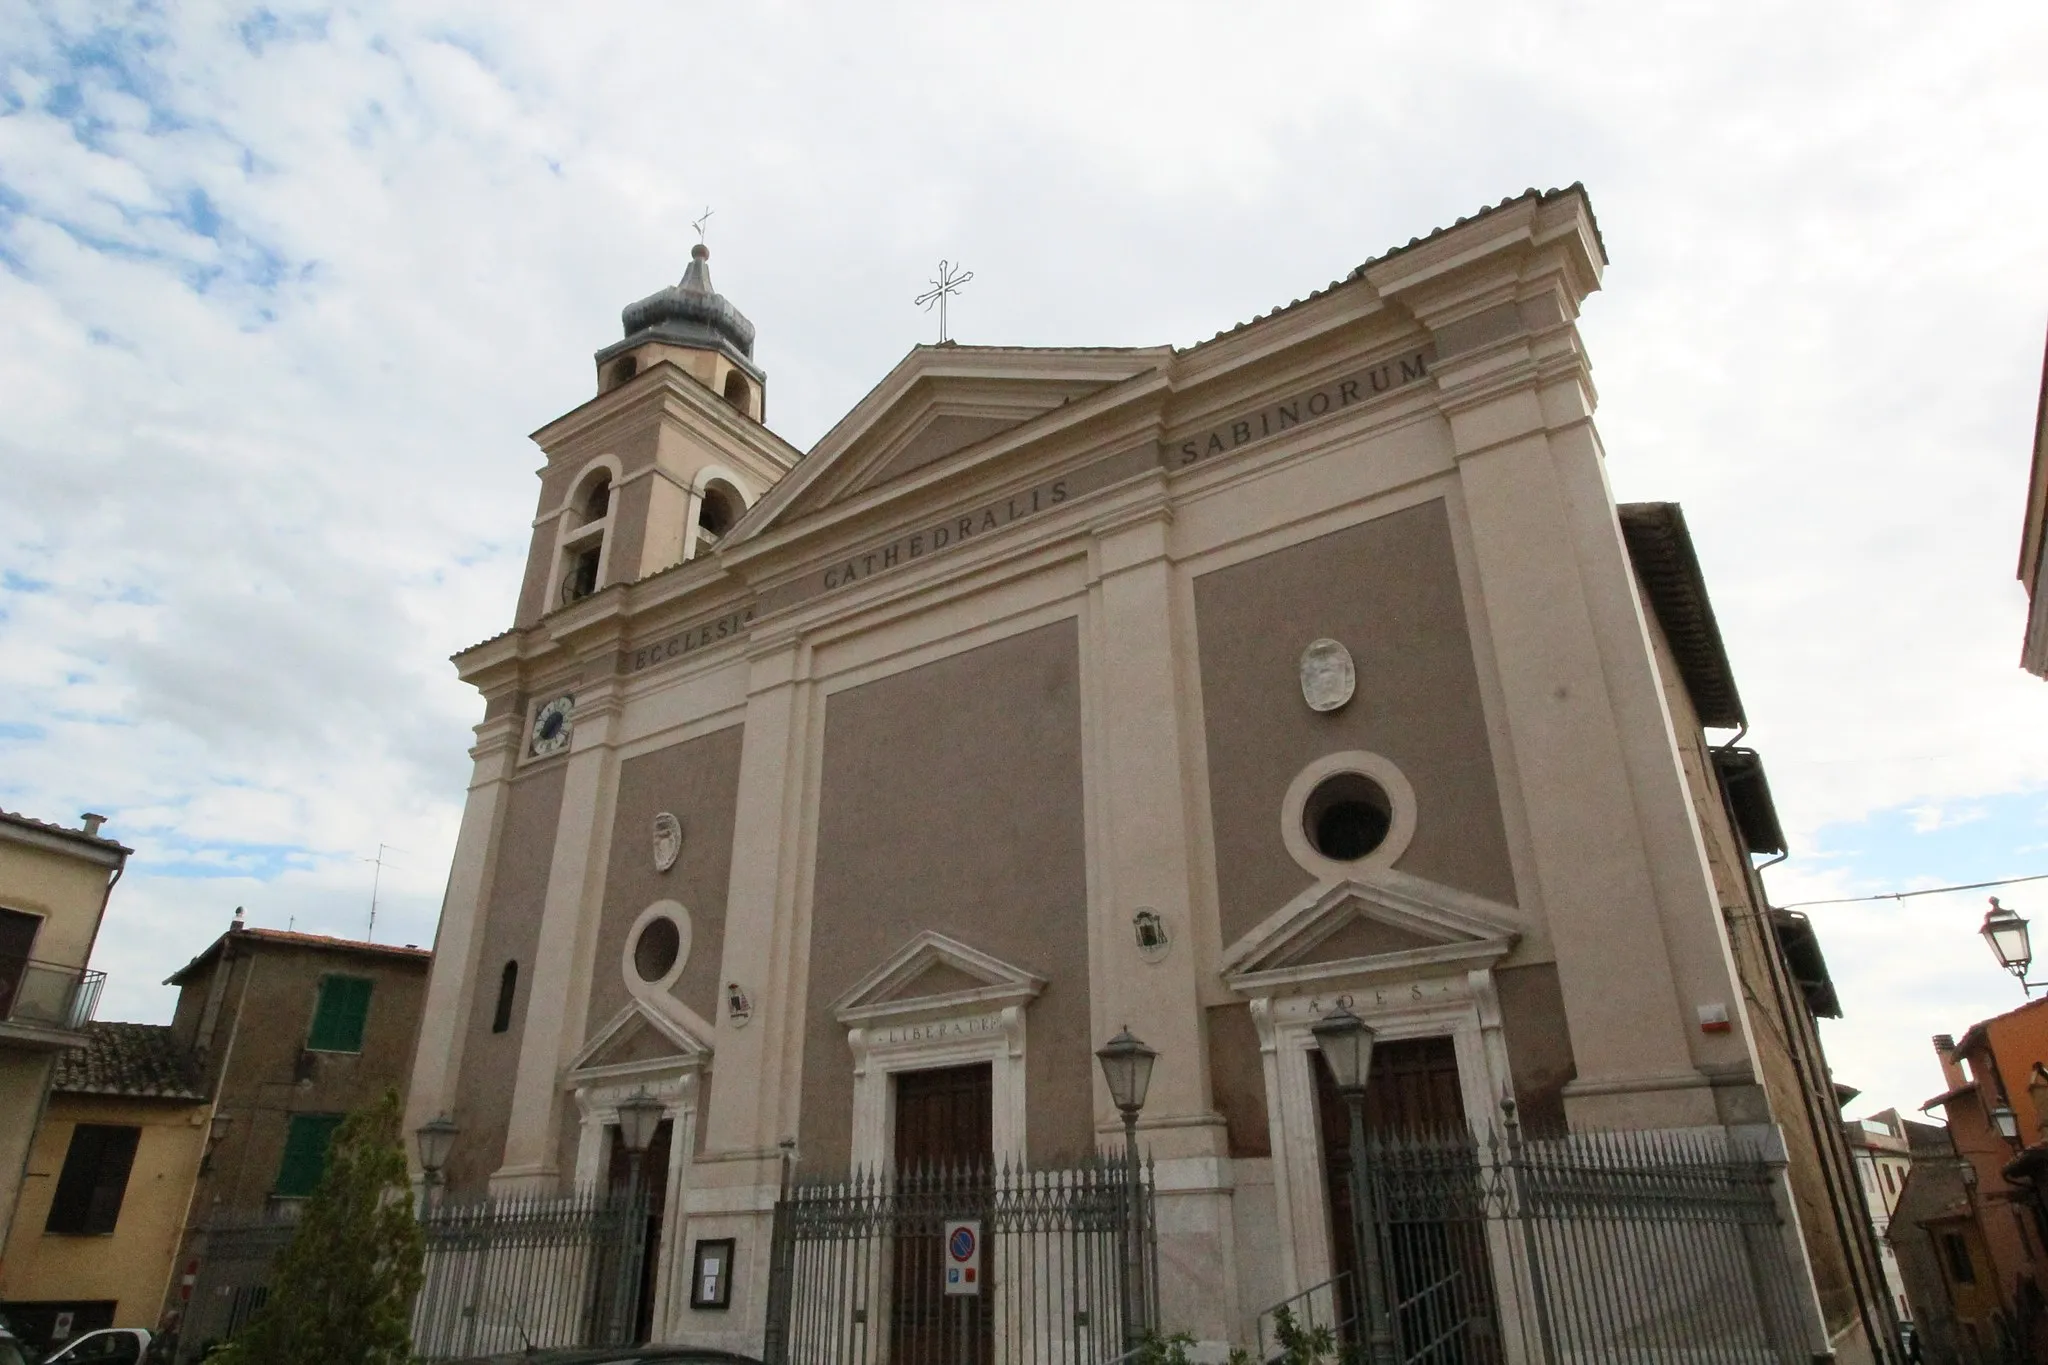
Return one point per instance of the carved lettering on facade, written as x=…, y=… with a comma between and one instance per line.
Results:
x=1335, y=396
x=695, y=638
x=939, y=1030
x=952, y=530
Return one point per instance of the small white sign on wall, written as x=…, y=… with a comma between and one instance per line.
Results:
x=963, y=1257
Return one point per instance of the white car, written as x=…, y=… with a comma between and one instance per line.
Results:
x=108, y=1346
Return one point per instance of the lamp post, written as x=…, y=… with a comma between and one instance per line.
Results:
x=2005, y=1121
x=2006, y=932
x=1346, y=1042
x=1127, y=1068
x=639, y=1115
x=435, y=1138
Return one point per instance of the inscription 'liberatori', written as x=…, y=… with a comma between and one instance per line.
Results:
x=1334, y=396
x=942, y=1029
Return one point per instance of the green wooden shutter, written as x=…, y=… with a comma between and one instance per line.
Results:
x=305, y=1153
x=338, y=1018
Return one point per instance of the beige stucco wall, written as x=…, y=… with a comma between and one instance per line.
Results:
x=133, y=1264
x=65, y=883
x=951, y=800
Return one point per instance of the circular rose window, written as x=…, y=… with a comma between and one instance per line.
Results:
x=656, y=949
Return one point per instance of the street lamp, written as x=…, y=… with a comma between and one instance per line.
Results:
x=640, y=1114
x=1127, y=1069
x=2007, y=1122
x=1346, y=1042
x=435, y=1139
x=2006, y=932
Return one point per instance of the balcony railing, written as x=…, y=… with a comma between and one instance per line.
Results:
x=48, y=995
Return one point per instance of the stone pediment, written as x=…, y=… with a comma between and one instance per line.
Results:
x=933, y=974
x=940, y=402
x=638, y=1039
x=1383, y=922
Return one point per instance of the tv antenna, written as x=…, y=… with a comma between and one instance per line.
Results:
x=376, y=883
x=944, y=285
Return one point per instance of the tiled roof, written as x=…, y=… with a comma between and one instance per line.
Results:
x=1540, y=196
x=288, y=939
x=97, y=840
x=137, y=1060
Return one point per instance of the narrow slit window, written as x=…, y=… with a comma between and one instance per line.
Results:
x=508, y=988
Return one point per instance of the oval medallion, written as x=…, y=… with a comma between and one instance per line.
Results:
x=1327, y=676
x=668, y=841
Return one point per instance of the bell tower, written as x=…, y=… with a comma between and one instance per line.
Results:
x=659, y=466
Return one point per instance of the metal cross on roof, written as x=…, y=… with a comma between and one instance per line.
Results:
x=944, y=285
x=699, y=224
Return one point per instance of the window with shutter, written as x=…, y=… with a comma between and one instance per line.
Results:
x=94, y=1180
x=305, y=1154
x=339, y=1015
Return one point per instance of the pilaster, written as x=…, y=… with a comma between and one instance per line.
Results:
x=560, y=994
x=1142, y=849
x=458, y=939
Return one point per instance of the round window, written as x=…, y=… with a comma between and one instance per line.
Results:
x=655, y=951
x=1347, y=816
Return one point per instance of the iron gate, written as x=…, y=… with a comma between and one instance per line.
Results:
x=1068, y=1267
x=1660, y=1246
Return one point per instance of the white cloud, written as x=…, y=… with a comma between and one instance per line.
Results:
x=276, y=313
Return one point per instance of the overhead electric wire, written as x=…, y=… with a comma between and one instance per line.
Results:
x=1930, y=891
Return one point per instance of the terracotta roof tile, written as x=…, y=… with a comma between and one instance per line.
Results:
x=136, y=1060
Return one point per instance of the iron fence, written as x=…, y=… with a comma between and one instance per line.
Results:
x=1067, y=1273
x=1622, y=1247
x=528, y=1272
x=500, y=1274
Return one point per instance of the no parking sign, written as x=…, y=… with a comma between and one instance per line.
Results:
x=963, y=1257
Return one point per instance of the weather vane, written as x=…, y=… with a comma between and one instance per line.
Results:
x=699, y=224
x=944, y=286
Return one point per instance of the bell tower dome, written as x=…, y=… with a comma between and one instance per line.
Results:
x=697, y=328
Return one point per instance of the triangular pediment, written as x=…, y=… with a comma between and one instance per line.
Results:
x=1382, y=922
x=636, y=1039
x=939, y=403
x=933, y=974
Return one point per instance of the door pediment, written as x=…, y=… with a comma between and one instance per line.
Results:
x=933, y=974
x=638, y=1040
x=1382, y=922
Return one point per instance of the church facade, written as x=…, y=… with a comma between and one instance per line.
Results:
x=847, y=800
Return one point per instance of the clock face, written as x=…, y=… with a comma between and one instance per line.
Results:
x=551, y=726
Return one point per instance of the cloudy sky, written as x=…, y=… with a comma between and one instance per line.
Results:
x=282, y=291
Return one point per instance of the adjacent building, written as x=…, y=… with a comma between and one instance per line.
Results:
x=1883, y=1148
x=54, y=885
x=102, y=1211
x=842, y=803
x=1995, y=1105
x=289, y=1033
x=1934, y=1239
x=2034, y=541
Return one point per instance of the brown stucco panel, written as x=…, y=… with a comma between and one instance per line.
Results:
x=1237, y=1078
x=490, y=1061
x=698, y=782
x=1388, y=589
x=951, y=800
x=1539, y=1045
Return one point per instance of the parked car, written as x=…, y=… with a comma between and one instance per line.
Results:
x=108, y=1346
x=615, y=1355
x=10, y=1348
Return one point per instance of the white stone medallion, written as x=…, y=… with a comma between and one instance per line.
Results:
x=1328, y=677
x=668, y=841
